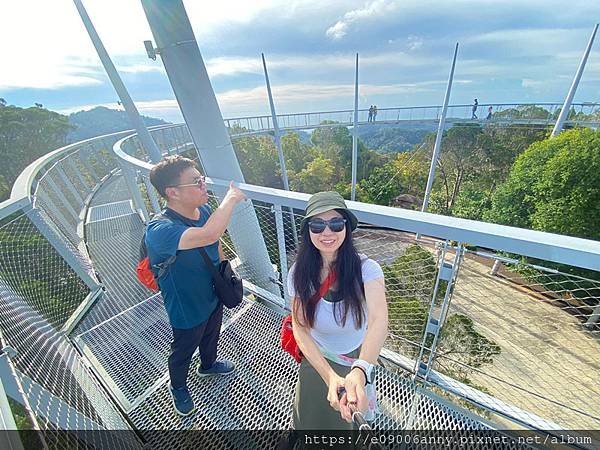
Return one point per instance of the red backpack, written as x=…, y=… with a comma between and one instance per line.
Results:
x=144, y=270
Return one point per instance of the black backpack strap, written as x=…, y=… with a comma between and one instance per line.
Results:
x=163, y=266
x=208, y=262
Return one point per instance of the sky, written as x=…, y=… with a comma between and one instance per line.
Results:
x=509, y=51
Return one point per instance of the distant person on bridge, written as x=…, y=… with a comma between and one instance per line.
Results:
x=490, y=109
x=339, y=318
x=194, y=311
x=475, y=105
x=370, y=114
x=374, y=113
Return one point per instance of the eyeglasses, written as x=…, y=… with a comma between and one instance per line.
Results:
x=336, y=225
x=198, y=182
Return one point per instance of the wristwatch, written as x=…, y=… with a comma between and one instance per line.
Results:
x=367, y=369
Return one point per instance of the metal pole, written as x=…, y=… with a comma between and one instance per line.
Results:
x=277, y=132
x=438, y=137
x=277, y=136
x=564, y=113
x=282, y=253
x=187, y=74
x=354, y=134
x=115, y=79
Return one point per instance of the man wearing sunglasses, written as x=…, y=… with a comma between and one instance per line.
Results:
x=194, y=312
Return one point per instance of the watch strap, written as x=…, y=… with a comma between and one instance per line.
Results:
x=366, y=367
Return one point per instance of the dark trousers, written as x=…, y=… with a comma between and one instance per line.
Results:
x=205, y=337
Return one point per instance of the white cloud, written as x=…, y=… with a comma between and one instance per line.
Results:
x=372, y=10
x=233, y=65
x=414, y=43
x=337, y=31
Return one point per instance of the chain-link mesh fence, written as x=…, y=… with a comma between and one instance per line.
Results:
x=553, y=362
x=40, y=294
x=527, y=335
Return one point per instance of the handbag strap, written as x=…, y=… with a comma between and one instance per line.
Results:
x=327, y=283
x=208, y=262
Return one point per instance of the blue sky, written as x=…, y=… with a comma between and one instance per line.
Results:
x=509, y=51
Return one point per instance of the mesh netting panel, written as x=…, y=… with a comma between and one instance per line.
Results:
x=83, y=170
x=63, y=217
x=526, y=336
x=38, y=293
x=73, y=171
x=32, y=270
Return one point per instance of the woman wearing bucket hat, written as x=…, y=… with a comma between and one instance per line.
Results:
x=339, y=318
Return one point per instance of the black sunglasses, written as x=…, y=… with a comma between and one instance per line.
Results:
x=336, y=225
x=198, y=182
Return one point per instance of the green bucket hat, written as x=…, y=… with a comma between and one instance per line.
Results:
x=326, y=201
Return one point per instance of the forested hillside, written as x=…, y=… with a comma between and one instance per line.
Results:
x=101, y=120
x=25, y=135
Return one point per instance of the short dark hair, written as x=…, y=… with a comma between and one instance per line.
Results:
x=167, y=172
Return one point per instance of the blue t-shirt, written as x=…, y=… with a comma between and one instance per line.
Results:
x=187, y=286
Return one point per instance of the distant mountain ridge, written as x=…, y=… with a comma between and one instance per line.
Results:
x=101, y=120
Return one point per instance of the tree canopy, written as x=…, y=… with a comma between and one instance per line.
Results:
x=25, y=135
x=554, y=186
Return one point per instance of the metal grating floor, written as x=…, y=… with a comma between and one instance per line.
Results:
x=110, y=210
x=113, y=242
x=132, y=350
x=113, y=190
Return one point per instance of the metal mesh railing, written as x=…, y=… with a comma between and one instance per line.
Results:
x=467, y=348
x=32, y=270
x=526, y=335
x=531, y=336
x=46, y=278
x=39, y=293
x=520, y=335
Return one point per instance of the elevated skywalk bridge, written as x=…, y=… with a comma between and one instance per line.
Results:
x=504, y=115
x=85, y=346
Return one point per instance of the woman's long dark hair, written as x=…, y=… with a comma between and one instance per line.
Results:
x=347, y=266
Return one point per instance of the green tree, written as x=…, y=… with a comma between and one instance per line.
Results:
x=25, y=135
x=462, y=348
x=567, y=192
x=335, y=144
x=258, y=160
x=382, y=186
x=317, y=176
x=524, y=112
x=463, y=149
x=554, y=186
x=296, y=154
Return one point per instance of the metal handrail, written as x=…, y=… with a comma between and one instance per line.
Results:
x=407, y=108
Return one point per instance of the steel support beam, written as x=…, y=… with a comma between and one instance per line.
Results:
x=564, y=112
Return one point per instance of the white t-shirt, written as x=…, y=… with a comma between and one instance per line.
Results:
x=326, y=332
